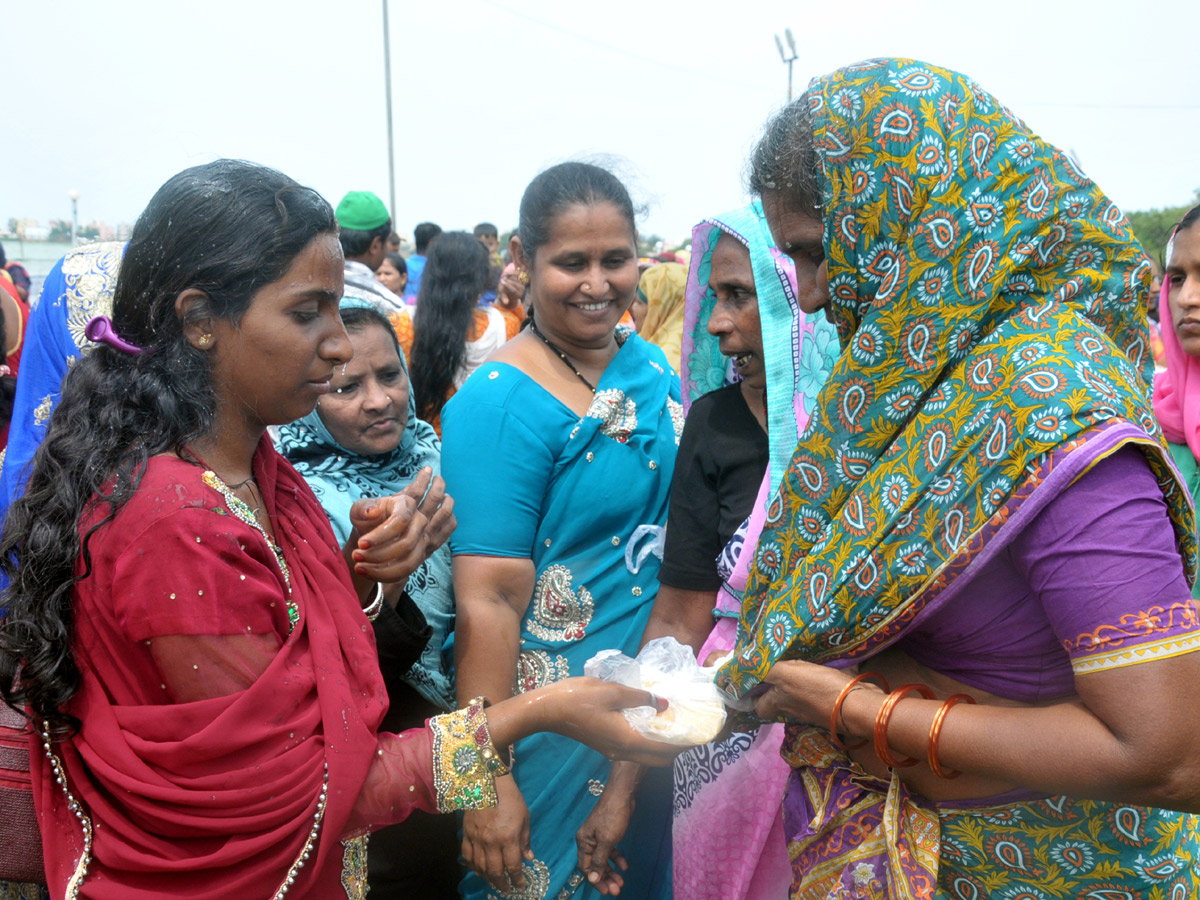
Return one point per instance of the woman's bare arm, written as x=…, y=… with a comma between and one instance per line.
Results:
x=491, y=595
x=1131, y=737
x=684, y=615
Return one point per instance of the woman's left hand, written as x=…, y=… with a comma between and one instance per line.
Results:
x=393, y=535
x=800, y=692
x=597, y=838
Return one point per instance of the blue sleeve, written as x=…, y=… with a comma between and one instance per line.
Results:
x=496, y=468
x=48, y=349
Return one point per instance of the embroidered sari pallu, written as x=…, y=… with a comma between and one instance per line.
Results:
x=988, y=301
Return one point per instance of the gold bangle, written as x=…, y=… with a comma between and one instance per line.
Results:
x=465, y=762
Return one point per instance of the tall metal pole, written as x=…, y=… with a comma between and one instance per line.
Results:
x=74, y=195
x=789, y=58
x=387, y=75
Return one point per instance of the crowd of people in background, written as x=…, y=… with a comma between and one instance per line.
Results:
x=308, y=540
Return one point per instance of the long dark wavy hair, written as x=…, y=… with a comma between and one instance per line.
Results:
x=227, y=228
x=456, y=273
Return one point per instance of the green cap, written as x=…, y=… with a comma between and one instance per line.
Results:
x=362, y=211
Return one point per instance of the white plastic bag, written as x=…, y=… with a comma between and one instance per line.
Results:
x=667, y=669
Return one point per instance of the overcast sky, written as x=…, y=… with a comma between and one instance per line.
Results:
x=113, y=97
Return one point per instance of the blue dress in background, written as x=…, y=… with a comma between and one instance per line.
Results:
x=79, y=287
x=586, y=500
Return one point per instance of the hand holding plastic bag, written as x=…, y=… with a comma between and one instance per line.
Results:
x=668, y=669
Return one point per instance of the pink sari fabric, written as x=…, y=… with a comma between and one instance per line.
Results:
x=729, y=836
x=1177, y=390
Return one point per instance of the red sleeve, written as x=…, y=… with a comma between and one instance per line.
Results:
x=199, y=667
x=399, y=781
x=198, y=570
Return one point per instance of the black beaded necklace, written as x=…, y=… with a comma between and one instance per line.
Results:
x=561, y=355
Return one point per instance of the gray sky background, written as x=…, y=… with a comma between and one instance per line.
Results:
x=113, y=97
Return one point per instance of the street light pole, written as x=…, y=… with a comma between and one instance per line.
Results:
x=387, y=75
x=74, y=195
x=788, y=59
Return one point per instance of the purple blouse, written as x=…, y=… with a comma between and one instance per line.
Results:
x=1093, y=581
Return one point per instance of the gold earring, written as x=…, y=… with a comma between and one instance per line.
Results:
x=523, y=276
x=204, y=341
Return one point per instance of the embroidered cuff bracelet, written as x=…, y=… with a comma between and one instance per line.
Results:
x=465, y=763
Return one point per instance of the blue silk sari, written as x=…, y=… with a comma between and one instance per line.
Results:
x=586, y=500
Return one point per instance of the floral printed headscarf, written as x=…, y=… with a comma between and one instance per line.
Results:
x=988, y=298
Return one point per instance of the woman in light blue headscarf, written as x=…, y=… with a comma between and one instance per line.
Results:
x=364, y=440
x=752, y=365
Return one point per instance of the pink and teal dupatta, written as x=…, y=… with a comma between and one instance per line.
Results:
x=729, y=841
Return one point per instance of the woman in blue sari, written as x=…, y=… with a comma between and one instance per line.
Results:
x=559, y=452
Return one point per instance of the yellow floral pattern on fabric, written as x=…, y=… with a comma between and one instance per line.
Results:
x=90, y=277
x=988, y=299
x=887, y=843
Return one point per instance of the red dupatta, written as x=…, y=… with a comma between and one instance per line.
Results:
x=217, y=798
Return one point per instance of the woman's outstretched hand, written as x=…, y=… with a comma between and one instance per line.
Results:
x=587, y=710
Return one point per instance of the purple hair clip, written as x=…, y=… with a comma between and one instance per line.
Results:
x=100, y=331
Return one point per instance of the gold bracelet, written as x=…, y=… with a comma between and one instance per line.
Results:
x=465, y=762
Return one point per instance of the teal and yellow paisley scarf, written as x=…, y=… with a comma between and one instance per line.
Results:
x=988, y=299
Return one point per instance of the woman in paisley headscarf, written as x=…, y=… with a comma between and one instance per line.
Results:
x=364, y=440
x=957, y=515
x=1177, y=389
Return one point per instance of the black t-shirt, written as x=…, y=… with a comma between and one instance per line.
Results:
x=722, y=457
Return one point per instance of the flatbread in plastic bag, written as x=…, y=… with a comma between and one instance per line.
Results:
x=667, y=669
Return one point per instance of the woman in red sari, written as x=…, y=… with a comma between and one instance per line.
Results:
x=190, y=641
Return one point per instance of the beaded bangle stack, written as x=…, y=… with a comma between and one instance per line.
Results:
x=882, y=750
x=465, y=762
